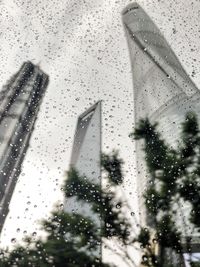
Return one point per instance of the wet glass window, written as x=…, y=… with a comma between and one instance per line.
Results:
x=99, y=133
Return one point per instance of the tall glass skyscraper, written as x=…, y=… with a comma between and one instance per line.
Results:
x=86, y=159
x=20, y=99
x=163, y=91
x=86, y=150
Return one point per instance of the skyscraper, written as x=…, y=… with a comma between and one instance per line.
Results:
x=85, y=158
x=162, y=89
x=20, y=99
x=87, y=144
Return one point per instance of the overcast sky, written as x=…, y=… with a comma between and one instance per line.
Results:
x=81, y=45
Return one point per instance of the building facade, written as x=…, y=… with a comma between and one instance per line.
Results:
x=163, y=91
x=20, y=99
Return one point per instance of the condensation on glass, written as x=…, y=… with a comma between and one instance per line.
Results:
x=163, y=91
x=20, y=99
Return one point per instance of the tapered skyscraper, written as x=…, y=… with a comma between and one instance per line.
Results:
x=20, y=99
x=86, y=158
x=163, y=91
x=87, y=144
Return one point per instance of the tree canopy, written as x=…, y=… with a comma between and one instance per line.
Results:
x=173, y=182
x=73, y=239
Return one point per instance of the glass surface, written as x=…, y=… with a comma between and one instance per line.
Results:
x=76, y=79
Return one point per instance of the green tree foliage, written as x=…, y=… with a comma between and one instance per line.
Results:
x=174, y=178
x=72, y=238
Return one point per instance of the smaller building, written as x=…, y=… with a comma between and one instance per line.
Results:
x=86, y=159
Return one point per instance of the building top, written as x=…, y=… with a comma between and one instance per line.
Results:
x=143, y=31
x=84, y=120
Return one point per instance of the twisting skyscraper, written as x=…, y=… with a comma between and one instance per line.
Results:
x=20, y=99
x=162, y=89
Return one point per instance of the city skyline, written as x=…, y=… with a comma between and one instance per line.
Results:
x=84, y=51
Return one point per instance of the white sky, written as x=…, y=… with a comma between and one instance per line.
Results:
x=81, y=44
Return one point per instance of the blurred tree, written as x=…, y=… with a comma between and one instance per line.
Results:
x=73, y=239
x=174, y=176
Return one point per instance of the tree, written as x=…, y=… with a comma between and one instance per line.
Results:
x=174, y=176
x=72, y=239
